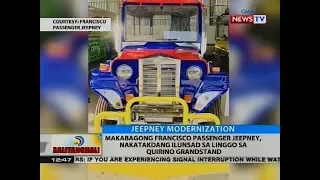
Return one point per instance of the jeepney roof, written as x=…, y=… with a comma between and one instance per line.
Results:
x=163, y=1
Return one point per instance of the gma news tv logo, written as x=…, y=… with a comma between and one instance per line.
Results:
x=248, y=19
x=78, y=147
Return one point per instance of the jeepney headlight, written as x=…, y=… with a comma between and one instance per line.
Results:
x=194, y=73
x=124, y=72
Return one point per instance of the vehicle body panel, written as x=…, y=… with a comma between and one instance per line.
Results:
x=209, y=87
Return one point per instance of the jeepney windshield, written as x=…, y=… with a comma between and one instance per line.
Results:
x=156, y=23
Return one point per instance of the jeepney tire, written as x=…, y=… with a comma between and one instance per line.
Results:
x=215, y=108
x=105, y=122
x=102, y=105
x=207, y=123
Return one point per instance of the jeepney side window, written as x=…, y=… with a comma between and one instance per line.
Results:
x=204, y=20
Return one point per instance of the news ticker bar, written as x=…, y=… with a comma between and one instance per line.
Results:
x=100, y=159
x=167, y=141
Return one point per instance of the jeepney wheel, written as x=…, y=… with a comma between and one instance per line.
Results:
x=102, y=106
x=215, y=108
x=207, y=123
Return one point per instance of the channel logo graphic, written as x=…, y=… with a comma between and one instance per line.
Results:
x=75, y=145
x=78, y=141
x=248, y=19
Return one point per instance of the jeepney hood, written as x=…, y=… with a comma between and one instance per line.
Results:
x=160, y=48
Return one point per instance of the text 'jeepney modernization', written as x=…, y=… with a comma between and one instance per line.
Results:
x=159, y=75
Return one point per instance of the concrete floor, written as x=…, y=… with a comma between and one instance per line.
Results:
x=80, y=172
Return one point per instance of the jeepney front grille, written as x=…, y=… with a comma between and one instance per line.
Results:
x=149, y=79
x=160, y=76
x=168, y=80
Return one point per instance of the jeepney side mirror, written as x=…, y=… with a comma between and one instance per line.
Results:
x=226, y=12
